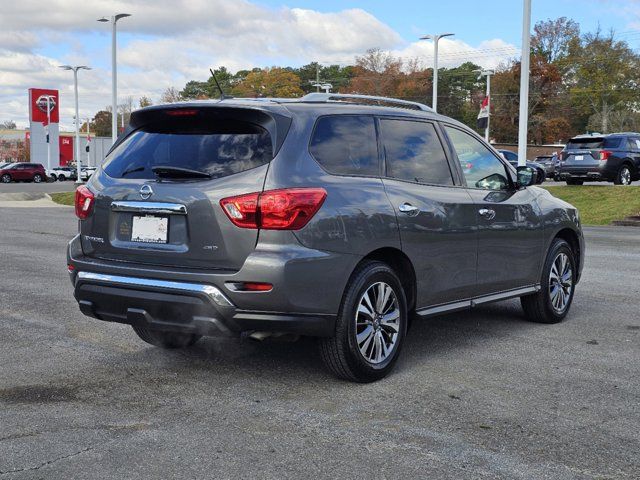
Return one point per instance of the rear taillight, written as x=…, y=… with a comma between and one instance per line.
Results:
x=604, y=155
x=84, y=202
x=181, y=112
x=288, y=209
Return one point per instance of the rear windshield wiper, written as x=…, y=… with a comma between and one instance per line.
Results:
x=132, y=170
x=179, y=172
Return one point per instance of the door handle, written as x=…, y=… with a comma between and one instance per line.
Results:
x=408, y=209
x=487, y=213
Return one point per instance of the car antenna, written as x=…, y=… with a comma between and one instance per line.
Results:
x=222, y=94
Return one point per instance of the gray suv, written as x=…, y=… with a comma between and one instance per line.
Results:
x=333, y=216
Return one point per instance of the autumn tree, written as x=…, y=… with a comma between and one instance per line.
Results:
x=101, y=124
x=144, y=101
x=269, y=82
x=604, y=77
x=171, y=95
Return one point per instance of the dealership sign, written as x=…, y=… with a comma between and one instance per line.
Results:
x=44, y=126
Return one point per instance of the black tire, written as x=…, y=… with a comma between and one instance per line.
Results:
x=542, y=176
x=61, y=178
x=574, y=182
x=341, y=353
x=37, y=178
x=164, y=339
x=54, y=178
x=624, y=176
x=6, y=178
x=538, y=307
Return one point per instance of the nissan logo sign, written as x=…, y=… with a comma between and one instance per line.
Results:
x=41, y=102
x=146, y=191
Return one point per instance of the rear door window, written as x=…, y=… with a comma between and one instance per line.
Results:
x=414, y=153
x=346, y=145
x=219, y=148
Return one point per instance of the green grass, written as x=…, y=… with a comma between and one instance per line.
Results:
x=600, y=205
x=64, y=198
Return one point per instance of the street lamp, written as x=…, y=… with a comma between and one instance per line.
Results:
x=50, y=98
x=524, y=84
x=435, y=39
x=114, y=74
x=75, y=90
x=487, y=73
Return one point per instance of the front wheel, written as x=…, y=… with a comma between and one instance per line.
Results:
x=160, y=338
x=623, y=177
x=551, y=304
x=371, y=325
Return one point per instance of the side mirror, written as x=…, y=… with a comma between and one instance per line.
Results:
x=527, y=176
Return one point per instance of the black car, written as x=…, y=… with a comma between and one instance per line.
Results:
x=550, y=164
x=338, y=217
x=601, y=158
x=512, y=158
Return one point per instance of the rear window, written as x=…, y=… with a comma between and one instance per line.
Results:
x=346, y=145
x=219, y=148
x=592, y=143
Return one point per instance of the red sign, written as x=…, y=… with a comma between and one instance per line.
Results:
x=38, y=105
x=66, y=150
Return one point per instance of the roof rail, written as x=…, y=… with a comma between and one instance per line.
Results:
x=364, y=100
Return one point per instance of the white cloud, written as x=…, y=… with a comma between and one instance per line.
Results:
x=178, y=40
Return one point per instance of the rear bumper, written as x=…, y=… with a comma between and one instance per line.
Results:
x=592, y=172
x=308, y=287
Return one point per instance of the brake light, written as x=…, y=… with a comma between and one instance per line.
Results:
x=182, y=112
x=84, y=202
x=287, y=209
x=604, y=155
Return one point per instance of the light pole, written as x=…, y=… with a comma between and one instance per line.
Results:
x=524, y=84
x=436, y=39
x=49, y=98
x=114, y=74
x=75, y=91
x=487, y=73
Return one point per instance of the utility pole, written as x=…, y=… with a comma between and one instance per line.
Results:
x=436, y=39
x=487, y=73
x=524, y=84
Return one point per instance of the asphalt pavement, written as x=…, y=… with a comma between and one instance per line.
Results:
x=48, y=187
x=481, y=394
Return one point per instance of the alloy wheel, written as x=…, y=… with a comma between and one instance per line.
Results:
x=560, y=283
x=377, y=323
x=625, y=176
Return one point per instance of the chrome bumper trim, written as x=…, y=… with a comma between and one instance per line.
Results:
x=196, y=288
x=149, y=207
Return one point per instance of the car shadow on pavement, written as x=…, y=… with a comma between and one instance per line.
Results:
x=427, y=338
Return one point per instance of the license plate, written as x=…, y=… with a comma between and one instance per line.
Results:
x=150, y=229
x=579, y=157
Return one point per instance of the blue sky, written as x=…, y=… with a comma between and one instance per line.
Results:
x=168, y=42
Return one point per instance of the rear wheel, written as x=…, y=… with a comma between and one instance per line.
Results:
x=370, y=327
x=54, y=177
x=61, y=178
x=164, y=339
x=551, y=304
x=6, y=178
x=623, y=177
x=37, y=178
x=542, y=176
x=574, y=182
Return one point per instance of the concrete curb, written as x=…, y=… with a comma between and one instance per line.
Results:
x=29, y=200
